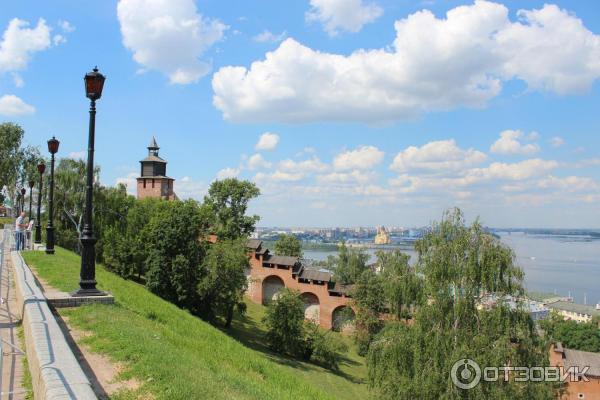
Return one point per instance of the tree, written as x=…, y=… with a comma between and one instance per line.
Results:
x=402, y=287
x=288, y=245
x=228, y=200
x=285, y=324
x=351, y=263
x=17, y=163
x=223, y=282
x=174, y=253
x=460, y=264
x=573, y=335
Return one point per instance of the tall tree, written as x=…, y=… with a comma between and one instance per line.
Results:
x=288, y=245
x=17, y=163
x=350, y=265
x=223, y=282
x=461, y=265
x=228, y=200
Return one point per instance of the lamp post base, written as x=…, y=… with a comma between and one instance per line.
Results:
x=88, y=293
x=38, y=234
x=49, y=240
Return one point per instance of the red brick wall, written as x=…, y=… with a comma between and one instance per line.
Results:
x=327, y=303
x=163, y=188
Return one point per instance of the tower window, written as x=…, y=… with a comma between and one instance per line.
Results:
x=152, y=183
x=144, y=183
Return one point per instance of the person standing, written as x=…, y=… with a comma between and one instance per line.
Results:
x=20, y=226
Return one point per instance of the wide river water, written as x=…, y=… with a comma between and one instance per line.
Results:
x=552, y=263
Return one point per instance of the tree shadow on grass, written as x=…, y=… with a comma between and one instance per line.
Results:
x=251, y=334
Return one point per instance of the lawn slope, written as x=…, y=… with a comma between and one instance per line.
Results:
x=176, y=355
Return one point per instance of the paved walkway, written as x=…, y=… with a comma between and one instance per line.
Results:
x=12, y=358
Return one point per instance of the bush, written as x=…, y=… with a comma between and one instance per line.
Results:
x=325, y=348
x=285, y=324
x=289, y=333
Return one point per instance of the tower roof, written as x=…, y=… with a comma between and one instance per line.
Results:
x=153, y=144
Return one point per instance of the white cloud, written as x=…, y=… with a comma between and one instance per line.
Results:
x=557, y=141
x=18, y=80
x=19, y=43
x=267, y=141
x=13, y=106
x=278, y=176
x=305, y=166
x=434, y=64
x=169, y=36
x=58, y=39
x=342, y=15
x=364, y=157
x=256, y=161
x=77, y=154
x=569, y=183
x=66, y=26
x=346, y=177
x=187, y=188
x=228, y=173
x=509, y=143
x=516, y=171
x=268, y=36
x=130, y=181
x=438, y=156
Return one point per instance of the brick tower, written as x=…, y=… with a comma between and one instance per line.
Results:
x=154, y=181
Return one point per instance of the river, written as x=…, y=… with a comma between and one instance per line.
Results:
x=552, y=263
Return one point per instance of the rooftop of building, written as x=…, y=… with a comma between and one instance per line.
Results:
x=580, y=359
x=574, y=307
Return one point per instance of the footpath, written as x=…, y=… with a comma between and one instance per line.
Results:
x=11, y=363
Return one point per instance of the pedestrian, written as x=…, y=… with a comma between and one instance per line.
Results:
x=30, y=234
x=20, y=227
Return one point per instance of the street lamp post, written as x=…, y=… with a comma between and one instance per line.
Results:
x=38, y=227
x=23, y=191
x=94, y=83
x=53, y=149
x=31, y=185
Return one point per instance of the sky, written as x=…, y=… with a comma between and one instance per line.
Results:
x=343, y=112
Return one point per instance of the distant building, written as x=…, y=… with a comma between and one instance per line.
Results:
x=574, y=311
x=153, y=180
x=382, y=237
x=578, y=389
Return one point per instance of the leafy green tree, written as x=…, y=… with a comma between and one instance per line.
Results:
x=402, y=287
x=223, y=282
x=350, y=264
x=228, y=201
x=370, y=305
x=17, y=163
x=573, y=335
x=288, y=245
x=285, y=324
x=175, y=253
x=460, y=264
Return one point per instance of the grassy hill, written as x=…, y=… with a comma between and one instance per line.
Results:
x=179, y=356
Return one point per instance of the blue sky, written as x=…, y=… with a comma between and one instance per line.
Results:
x=370, y=112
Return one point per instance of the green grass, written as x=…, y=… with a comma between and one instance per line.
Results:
x=178, y=356
x=348, y=383
x=26, y=381
x=6, y=220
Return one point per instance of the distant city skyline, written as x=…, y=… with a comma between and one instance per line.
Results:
x=358, y=113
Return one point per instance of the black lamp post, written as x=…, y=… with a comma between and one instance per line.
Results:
x=23, y=191
x=31, y=185
x=94, y=83
x=53, y=149
x=38, y=227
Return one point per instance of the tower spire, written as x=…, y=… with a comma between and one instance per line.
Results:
x=153, y=147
